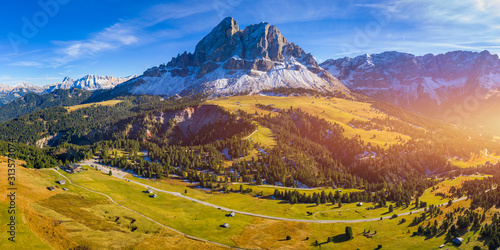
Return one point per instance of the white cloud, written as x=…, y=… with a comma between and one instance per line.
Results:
x=124, y=33
x=118, y=35
x=26, y=64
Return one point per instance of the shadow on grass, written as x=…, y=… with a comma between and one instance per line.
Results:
x=386, y=213
x=340, y=238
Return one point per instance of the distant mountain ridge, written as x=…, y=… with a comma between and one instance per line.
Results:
x=10, y=93
x=32, y=102
x=231, y=61
x=88, y=82
x=427, y=84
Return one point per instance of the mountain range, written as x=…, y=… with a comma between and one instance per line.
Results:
x=429, y=84
x=460, y=85
x=88, y=82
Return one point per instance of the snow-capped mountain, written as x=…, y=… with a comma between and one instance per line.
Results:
x=10, y=93
x=88, y=82
x=421, y=83
x=229, y=61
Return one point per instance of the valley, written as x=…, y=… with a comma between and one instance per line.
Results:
x=196, y=213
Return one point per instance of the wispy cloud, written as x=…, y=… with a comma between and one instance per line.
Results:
x=118, y=35
x=124, y=33
x=26, y=64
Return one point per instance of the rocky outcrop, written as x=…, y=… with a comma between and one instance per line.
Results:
x=234, y=63
x=192, y=119
x=48, y=141
x=262, y=65
x=206, y=68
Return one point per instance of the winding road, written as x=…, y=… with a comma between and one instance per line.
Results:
x=486, y=154
x=177, y=194
x=144, y=216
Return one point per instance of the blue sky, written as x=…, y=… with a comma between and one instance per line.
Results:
x=42, y=43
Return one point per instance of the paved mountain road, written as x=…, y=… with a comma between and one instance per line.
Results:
x=120, y=174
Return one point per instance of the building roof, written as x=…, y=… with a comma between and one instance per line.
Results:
x=458, y=240
x=225, y=225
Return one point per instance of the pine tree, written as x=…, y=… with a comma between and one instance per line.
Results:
x=348, y=233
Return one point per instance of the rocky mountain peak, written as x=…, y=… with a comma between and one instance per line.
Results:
x=256, y=42
x=67, y=79
x=229, y=60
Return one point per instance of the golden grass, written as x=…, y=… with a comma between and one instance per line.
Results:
x=333, y=110
x=104, y=103
x=263, y=136
x=475, y=160
x=67, y=219
x=35, y=230
x=201, y=221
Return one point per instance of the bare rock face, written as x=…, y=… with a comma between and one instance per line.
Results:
x=262, y=65
x=192, y=119
x=153, y=72
x=183, y=72
x=220, y=44
x=234, y=63
x=239, y=48
x=207, y=68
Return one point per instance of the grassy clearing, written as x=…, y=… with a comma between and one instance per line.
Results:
x=333, y=110
x=104, y=103
x=264, y=137
x=35, y=230
x=267, y=206
x=474, y=161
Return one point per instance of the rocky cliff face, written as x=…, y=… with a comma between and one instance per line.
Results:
x=229, y=61
x=422, y=83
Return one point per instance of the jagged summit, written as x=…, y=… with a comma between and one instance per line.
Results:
x=226, y=40
x=229, y=60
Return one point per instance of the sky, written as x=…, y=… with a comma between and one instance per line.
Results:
x=42, y=41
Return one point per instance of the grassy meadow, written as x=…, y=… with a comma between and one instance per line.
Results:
x=104, y=103
x=81, y=218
